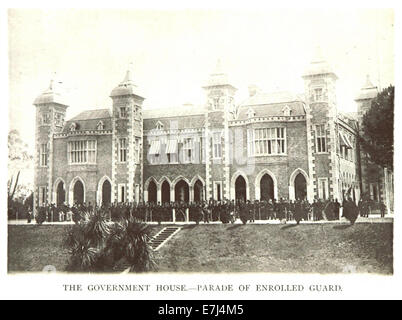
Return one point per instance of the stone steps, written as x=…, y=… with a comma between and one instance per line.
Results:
x=163, y=236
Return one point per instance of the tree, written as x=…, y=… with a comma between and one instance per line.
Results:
x=19, y=159
x=378, y=129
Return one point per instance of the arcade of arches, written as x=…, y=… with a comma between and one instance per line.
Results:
x=182, y=191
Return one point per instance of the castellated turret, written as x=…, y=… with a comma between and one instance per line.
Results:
x=127, y=141
x=51, y=108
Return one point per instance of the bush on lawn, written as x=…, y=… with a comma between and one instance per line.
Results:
x=96, y=246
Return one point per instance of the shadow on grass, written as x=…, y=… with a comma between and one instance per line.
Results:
x=342, y=226
x=191, y=226
x=235, y=226
x=289, y=226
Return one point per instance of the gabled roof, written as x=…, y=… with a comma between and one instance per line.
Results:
x=181, y=111
x=92, y=114
x=271, y=98
x=89, y=119
x=272, y=104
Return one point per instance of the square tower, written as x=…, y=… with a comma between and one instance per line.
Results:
x=127, y=141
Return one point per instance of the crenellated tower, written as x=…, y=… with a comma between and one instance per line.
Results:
x=321, y=111
x=127, y=141
x=220, y=101
x=51, y=108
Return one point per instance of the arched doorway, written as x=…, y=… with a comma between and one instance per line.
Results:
x=78, y=192
x=240, y=189
x=181, y=191
x=300, y=187
x=266, y=187
x=198, y=191
x=165, y=192
x=152, y=190
x=60, y=193
x=106, y=193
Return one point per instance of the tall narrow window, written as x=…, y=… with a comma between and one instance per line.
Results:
x=250, y=142
x=42, y=196
x=321, y=139
x=121, y=192
x=188, y=150
x=217, y=190
x=217, y=145
x=122, y=150
x=171, y=151
x=123, y=112
x=137, y=150
x=202, y=149
x=46, y=118
x=43, y=155
x=318, y=94
x=323, y=192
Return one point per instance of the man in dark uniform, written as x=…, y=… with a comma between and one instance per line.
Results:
x=337, y=207
x=383, y=208
x=298, y=211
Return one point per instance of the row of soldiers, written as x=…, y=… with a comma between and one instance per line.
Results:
x=207, y=211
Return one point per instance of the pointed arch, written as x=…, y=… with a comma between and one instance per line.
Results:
x=292, y=178
x=163, y=179
x=99, y=192
x=237, y=174
x=194, y=180
x=55, y=185
x=178, y=178
x=197, y=192
x=148, y=181
x=71, y=190
x=257, y=186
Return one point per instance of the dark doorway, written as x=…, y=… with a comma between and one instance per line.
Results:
x=181, y=191
x=240, y=189
x=78, y=192
x=106, y=193
x=152, y=190
x=198, y=191
x=266, y=187
x=300, y=187
x=61, y=193
x=165, y=192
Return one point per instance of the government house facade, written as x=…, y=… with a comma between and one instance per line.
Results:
x=270, y=146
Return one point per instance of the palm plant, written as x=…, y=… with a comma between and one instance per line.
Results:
x=96, y=246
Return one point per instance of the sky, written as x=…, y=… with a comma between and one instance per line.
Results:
x=173, y=51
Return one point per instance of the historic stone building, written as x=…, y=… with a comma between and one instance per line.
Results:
x=273, y=145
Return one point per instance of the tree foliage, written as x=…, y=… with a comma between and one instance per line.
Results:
x=19, y=159
x=378, y=129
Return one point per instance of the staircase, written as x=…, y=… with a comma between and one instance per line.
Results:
x=163, y=236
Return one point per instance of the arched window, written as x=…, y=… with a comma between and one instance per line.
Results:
x=100, y=125
x=73, y=127
x=159, y=125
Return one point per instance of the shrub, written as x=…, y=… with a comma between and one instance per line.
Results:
x=96, y=246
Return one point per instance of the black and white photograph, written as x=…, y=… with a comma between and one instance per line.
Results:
x=189, y=141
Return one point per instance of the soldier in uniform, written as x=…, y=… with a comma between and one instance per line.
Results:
x=383, y=208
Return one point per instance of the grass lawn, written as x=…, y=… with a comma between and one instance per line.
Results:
x=328, y=248
x=31, y=248
x=325, y=248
